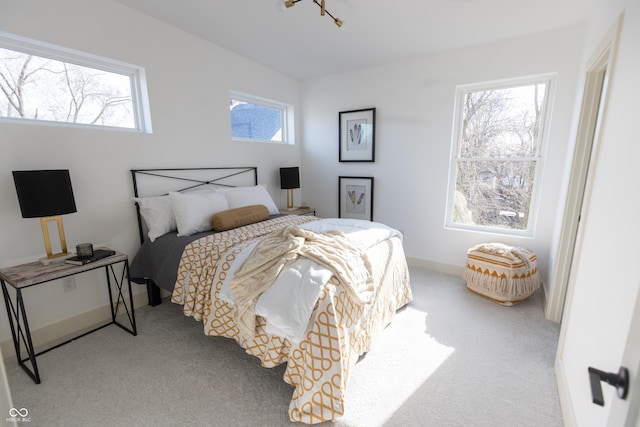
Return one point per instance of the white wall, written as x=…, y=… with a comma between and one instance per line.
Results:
x=605, y=284
x=414, y=115
x=188, y=82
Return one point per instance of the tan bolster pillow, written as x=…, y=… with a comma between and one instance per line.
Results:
x=237, y=217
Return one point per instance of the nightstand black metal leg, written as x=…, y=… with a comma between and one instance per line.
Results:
x=133, y=313
x=115, y=305
x=15, y=313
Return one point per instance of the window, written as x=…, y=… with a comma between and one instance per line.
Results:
x=257, y=119
x=42, y=83
x=496, y=155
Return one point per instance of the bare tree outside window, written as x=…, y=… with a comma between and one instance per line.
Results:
x=497, y=157
x=38, y=88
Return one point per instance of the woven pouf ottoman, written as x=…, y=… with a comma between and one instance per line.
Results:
x=502, y=273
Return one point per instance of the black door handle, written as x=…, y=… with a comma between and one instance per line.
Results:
x=620, y=381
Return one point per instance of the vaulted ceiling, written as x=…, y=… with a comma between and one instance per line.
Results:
x=301, y=43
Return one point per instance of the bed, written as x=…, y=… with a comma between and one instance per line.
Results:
x=311, y=292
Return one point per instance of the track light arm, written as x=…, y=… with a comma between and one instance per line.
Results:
x=321, y=5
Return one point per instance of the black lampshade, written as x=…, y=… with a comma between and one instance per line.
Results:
x=44, y=193
x=289, y=178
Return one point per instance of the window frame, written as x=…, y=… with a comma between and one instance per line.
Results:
x=136, y=74
x=287, y=115
x=461, y=91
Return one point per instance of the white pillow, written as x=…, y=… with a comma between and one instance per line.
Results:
x=157, y=215
x=247, y=196
x=193, y=210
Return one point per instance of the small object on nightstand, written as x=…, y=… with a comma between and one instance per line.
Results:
x=84, y=250
x=95, y=256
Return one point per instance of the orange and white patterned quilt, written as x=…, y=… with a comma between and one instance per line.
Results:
x=340, y=329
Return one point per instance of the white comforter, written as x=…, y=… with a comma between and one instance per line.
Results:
x=288, y=303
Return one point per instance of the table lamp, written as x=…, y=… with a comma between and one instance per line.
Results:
x=46, y=194
x=289, y=179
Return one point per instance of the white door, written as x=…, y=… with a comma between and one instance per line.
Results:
x=625, y=412
x=600, y=326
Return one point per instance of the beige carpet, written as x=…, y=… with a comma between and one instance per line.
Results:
x=451, y=358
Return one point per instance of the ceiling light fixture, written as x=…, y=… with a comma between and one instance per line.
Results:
x=321, y=5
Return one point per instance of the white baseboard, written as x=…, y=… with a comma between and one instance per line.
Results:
x=440, y=267
x=56, y=333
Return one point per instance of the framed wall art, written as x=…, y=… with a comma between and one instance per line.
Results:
x=357, y=135
x=355, y=197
